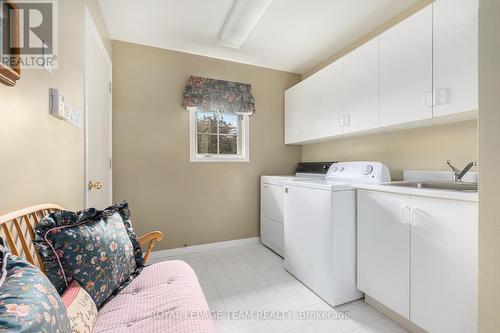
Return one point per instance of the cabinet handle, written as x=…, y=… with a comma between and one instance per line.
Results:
x=441, y=96
x=405, y=215
x=286, y=189
x=413, y=210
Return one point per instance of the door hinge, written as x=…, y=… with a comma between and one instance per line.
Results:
x=110, y=87
x=110, y=163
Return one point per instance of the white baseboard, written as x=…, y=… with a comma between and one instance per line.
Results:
x=203, y=247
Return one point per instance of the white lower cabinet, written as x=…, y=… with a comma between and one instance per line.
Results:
x=418, y=256
x=444, y=265
x=384, y=266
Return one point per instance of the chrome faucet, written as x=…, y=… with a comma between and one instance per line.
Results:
x=457, y=174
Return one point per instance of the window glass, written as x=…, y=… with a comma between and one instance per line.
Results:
x=217, y=136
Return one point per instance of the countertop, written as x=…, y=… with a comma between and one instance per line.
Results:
x=424, y=192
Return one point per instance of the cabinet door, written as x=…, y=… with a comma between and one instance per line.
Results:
x=383, y=248
x=361, y=87
x=307, y=113
x=272, y=235
x=272, y=202
x=299, y=120
x=292, y=101
x=444, y=265
x=406, y=70
x=455, y=56
x=327, y=102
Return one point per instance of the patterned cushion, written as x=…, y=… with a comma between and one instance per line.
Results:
x=28, y=301
x=99, y=249
x=80, y=307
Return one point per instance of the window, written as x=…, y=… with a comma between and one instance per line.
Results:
x=218, y=137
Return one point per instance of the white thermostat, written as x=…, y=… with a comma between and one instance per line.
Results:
x=60, y=108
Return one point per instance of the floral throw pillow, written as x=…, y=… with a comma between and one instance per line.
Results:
x=98, y=249
x=28, y=301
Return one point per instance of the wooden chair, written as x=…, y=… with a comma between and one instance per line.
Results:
x=17, y=230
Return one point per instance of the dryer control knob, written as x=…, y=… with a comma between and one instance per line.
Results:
x=368, y=169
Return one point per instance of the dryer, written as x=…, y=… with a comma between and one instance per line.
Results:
x=272, y=202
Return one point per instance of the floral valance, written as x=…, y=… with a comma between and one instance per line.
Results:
x=213, y=95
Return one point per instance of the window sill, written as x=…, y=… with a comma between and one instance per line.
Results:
x=218, y=159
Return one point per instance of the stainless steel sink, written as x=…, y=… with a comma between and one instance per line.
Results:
x=454, y=186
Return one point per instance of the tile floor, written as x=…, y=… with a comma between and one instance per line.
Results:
x=252, y=278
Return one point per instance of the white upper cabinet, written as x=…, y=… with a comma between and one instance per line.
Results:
x=313, y=107
x=406, y=70
x=455, y=56
x=299, y=122
x=424, y=67
x=361, y=87
x=327, y=101
x=292, y=101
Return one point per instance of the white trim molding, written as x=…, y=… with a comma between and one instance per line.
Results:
x=203, y=247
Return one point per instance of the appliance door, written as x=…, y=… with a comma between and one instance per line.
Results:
x=272, y=235
x=308, y=238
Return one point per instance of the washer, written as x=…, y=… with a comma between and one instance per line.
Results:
x=320, y=229
x=272, y=202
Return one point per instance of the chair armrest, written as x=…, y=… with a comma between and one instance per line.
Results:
x=150, y=238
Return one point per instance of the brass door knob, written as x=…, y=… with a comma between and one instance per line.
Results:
x=95, y=185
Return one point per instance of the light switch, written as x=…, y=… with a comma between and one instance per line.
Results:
x=60, y=107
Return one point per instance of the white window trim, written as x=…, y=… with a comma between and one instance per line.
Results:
x=245, y=151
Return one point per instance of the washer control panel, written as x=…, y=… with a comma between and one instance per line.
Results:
x=368, y=169
x=375, y=172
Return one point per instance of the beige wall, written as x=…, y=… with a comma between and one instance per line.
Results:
x=42, y=157
x=424, y=148
x=193, y=203
x=416, y=149
x=489, y=162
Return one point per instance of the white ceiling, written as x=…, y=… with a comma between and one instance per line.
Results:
x=292, y=35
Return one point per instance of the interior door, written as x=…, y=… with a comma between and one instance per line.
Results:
x=406, y=70
x=98, y=75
